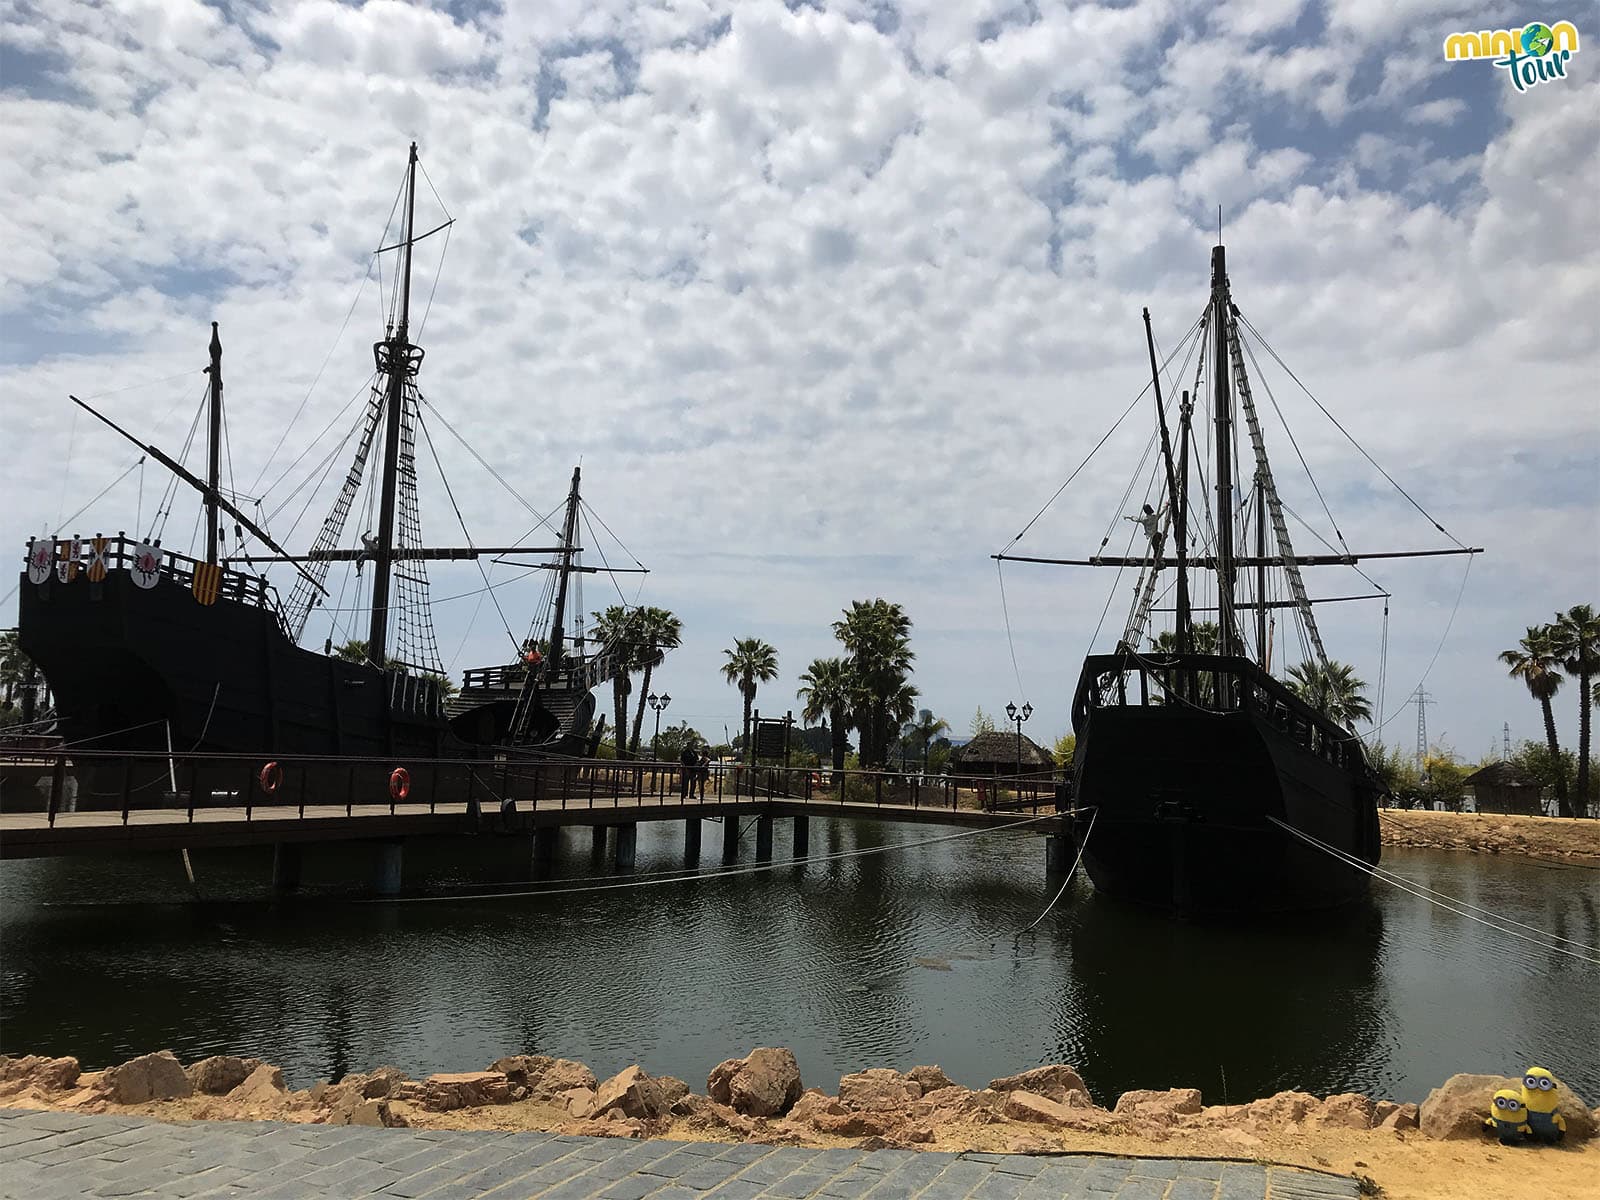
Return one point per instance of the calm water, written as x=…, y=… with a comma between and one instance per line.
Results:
x=888, y=960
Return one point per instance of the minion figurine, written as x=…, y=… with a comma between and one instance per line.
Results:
x=1507, y=1119
x=1540, y=1099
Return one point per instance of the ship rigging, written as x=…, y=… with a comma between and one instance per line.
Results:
x=160, y=619
x=1193, y=742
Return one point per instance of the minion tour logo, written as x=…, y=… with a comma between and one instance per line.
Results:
x=1530, y=55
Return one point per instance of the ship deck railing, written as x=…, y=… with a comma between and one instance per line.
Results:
x=121, y=553
x=1214, y=684
x=582, y=671
x=126, y=782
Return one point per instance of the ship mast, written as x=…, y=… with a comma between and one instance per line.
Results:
x=1185, y=621
x=1261, y=572
x=1222, y=405
x=569, y=540
x=395, y=358
x=214, y=440
x=1182, y=630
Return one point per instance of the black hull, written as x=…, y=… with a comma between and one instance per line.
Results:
x=128, y=665
x=1182, y=796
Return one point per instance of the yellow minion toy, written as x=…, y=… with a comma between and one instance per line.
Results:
x=1507, y=1119
x=1540, y=1098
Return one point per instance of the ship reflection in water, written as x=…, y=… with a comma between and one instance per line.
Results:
x=891, y=960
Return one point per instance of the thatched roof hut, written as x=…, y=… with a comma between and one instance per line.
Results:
x=1505, y=787
x=996, y=754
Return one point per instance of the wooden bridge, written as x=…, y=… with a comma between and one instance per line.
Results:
x=81, y=803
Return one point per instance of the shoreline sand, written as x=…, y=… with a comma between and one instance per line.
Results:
x=1575, y=838
x=1428, y=1152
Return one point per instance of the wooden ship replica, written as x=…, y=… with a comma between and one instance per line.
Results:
x=1204, y=774
x=148, y=649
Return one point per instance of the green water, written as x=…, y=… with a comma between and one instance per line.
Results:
x=886, y=960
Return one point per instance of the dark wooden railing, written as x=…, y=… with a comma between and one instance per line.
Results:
x=122, y=552
x=110, y=781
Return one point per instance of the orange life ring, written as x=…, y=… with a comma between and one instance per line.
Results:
x=399, y=783
x=271, y=777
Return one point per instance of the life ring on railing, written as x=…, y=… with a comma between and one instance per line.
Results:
x=271, y=777
x=399, y=783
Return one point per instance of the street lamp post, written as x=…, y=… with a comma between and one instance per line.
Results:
x=658, y=705
x=1019, y=715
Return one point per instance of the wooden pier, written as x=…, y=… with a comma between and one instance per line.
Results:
x=531, y=799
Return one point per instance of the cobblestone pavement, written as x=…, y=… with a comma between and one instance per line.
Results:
x=65, y=1156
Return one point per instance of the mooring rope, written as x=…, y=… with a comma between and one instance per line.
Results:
x=1443, y=901
x=1094, y=814
x=688, y=876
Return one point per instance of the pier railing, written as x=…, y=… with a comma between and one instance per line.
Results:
x=60, y=780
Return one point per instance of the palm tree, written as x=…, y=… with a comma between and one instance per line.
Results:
x=14, y=664
x=1537, y=662
x=1202, y=639
x=899, y=708
x=923, y=728
x=827, y=687
x=355, y=650
x=1576, y=634
x=615, y=629
x=878, y=636
x=658, y=631
x=1333, y=688
x=750, y=662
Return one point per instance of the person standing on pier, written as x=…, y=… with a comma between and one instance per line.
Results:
x=689, y=771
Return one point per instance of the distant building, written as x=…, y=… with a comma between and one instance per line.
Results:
x=1504, y=787
x=997, y=754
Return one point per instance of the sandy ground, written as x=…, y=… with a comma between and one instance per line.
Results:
x=1490, y=833
x=1405, y=1166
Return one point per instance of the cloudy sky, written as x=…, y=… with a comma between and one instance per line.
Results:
x=829, y=299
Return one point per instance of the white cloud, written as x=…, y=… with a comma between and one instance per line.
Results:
x=1437, y=112
x=827, y=310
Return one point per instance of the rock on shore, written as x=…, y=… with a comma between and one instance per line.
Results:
x=760, y=1097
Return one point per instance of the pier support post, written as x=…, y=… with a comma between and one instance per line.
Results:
x=764, y=838
x=691, y=841
x=627, y=846
x=387, y=858
x=1057, y=853
x=730, y=837
x=285, y=866
x=802, y=836
x=545, y=838
x=597, y=848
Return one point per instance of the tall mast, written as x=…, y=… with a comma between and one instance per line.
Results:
x=1261, y=571
x=395, y=358
x=569, y=539
x=1180, y=526
x=1172, y=488
x=214, y=441
x=1222, y=405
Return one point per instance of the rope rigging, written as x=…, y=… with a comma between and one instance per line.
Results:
x=1449, y=903
x=305, y=593
x=1076, y=470
x=315, y=379
x=1267, y=346
x=465, y=532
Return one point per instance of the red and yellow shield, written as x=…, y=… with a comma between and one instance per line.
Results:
x=97, y=558
x=207, y=582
